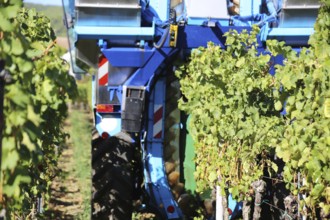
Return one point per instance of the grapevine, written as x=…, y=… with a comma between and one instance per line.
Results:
x=304, y=80
x=236, y=122
x=34, y=107
x=227, y=92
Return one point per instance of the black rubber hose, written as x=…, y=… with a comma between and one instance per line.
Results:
x=163, y=39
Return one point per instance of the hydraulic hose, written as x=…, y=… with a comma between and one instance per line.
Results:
x=172, y=20
x=162, y=39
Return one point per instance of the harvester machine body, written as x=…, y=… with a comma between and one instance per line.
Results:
x=133, y=45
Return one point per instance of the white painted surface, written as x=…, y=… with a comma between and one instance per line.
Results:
x=207, y=9
x=219, y=207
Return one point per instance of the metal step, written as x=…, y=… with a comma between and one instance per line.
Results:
x=301, y=4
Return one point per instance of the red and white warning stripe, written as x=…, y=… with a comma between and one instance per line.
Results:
x=103, y=71
x=158, y=122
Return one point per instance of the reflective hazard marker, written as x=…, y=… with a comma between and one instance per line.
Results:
x=158, y=123
x=103, y=71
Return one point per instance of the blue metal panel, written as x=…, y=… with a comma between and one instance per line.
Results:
x=234, y=206
x=115, y=33
x=143, y=75
x=293, y=18
x=201, y=21
x=292, y=36
x=156, y=182
x=273, y=61
x=291, y=32
x=224, y=29
x=127, y=57
x=256, y=5
x=246, y=8
x=190, y=36
x=161, y=7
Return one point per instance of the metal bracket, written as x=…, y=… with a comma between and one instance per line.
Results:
x=132, y=108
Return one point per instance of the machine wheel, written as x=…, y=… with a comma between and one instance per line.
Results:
x=112, y=177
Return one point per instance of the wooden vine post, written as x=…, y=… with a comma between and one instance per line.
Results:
x=259, y=188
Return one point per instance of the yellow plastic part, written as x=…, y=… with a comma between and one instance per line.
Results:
x=173, y=35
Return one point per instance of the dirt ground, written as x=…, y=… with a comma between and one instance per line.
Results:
x=66, y=199
x=70, y=190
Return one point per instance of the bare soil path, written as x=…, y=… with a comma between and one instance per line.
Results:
x=70, y=190
x=66, y=199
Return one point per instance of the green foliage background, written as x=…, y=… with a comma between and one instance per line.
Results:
x=305, y=146
x=34, y=107
x=55, y=15
x=236, y=123
x=233, y=120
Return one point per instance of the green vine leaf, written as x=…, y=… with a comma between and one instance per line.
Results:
x=231, y=114
x=34, y=107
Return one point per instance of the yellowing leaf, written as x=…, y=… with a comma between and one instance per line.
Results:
x=240, y=62
x=212, y=177
x=327, y=108
x=278, y=105
x=27, y=142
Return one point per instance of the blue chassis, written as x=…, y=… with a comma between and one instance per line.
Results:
x=150, y=64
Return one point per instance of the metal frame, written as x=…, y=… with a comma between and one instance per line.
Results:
x=149, y=61
x=156, y=179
